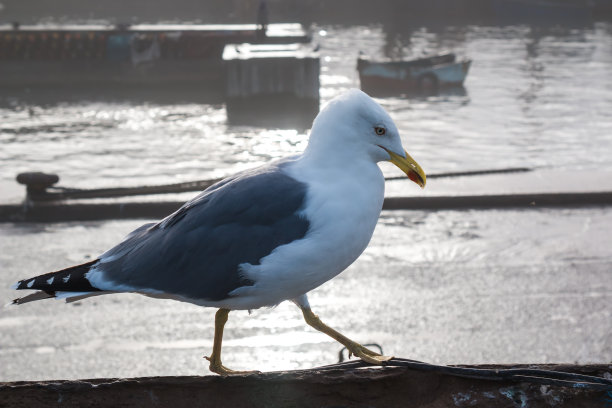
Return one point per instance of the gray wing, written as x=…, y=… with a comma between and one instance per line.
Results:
x=195, y=252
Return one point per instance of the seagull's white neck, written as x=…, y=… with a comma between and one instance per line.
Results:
x=340, y=169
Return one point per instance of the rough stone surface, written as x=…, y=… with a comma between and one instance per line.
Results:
x=376, y=387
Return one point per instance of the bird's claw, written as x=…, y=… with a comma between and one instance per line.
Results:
x=367, y=355
x=218, y=368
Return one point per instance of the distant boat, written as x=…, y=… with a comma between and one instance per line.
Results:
x=428, y=73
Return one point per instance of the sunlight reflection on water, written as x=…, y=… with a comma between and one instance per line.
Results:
x=447, y=287
x=527, y=102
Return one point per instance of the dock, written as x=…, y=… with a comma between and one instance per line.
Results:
x=144, y=55
x=44, y=202
x=369, y=387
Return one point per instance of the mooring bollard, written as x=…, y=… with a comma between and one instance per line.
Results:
x=37, y=182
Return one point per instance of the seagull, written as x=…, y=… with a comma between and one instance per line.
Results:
x=262, y=236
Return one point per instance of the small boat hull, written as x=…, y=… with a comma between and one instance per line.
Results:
x=431, y=73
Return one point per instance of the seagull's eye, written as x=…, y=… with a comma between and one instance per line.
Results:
x=380, y=131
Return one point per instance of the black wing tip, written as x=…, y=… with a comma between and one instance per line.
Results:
x=22, y=284
x=70, y=279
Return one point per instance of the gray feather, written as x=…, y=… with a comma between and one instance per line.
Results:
x=196, y=251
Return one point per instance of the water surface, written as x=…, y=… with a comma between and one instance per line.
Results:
x=534, y=97
x=529, y=286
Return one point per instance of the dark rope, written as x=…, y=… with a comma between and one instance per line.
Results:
x=59, y=193
x=531, y=375
x=469, y=173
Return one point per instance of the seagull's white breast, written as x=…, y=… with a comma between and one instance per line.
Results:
x=343, y=205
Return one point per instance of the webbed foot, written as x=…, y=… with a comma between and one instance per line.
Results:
x=366, y=354
x=218, y=368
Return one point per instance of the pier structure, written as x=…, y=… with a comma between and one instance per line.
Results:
x=46, y=202
x=272, y=82
x=160, y=55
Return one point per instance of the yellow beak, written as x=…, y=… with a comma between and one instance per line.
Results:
x=409, y=166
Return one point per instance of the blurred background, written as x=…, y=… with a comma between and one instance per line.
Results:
x=132, y=93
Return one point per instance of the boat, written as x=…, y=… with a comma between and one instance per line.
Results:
x=422, y=74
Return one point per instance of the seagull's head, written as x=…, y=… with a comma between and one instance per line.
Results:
x=356, y=124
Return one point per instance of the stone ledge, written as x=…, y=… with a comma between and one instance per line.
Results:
x=371, y=387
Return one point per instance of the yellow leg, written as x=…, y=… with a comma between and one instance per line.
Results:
x=353, y=348
x=215, y=357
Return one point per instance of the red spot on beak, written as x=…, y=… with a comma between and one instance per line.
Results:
x=412, y=176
